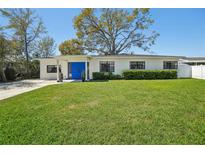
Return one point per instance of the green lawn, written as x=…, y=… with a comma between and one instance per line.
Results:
x=114, y=112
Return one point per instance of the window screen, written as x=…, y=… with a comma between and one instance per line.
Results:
x=107, y=66
x=170, y=64
x=137, y=65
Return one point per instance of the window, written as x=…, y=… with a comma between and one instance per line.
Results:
x=170, y=65
x=137, y=65
x=107, y=66
x=51, y=69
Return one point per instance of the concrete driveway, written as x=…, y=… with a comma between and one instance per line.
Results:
x=14, y=88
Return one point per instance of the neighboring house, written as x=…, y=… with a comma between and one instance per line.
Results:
x=72, y=66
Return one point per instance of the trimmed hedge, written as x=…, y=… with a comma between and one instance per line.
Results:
x=105, y=76
x=137, y=74
x=149, y=74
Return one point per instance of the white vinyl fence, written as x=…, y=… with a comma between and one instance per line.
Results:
x=187, y=71
x=198, y=72
x=184, y=71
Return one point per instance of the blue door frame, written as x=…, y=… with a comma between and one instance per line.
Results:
x=77, y=68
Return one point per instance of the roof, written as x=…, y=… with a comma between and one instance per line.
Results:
x=125, y=56
x=195, y=58
x=139, y=55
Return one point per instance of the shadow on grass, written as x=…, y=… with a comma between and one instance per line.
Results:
x=98, y=81
x=77, y=81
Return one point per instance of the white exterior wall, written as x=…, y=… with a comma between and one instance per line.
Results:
x=43, y=69
x=52, y=76
x=62, y=62
x=122, y=64
x=64, y=68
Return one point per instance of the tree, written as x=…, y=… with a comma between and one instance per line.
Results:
x=114, y=31
x=27, y=28
x=71, y=47
x=4, y=55
x=45, y=47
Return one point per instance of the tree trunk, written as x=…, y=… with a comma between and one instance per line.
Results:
x=27, y=63
x=27, y=56
x=3, y=76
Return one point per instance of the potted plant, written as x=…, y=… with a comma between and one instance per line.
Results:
x=83, y=76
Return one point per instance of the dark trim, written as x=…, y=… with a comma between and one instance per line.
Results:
x=88, y=70
x=51, y=65
x=144, y=65
x=170, y=66
x=107, y=64
x=69, y=70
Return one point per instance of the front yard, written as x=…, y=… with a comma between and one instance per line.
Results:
x=114, y=112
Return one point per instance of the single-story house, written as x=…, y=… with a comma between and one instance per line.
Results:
x=72, y=66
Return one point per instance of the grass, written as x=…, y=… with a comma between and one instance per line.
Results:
x=114, y=112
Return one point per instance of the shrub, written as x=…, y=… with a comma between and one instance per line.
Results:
x=34, y=69
x=100, y=76
x=115, y=77
x=150, y=74
x=105, y=76
x=10, y=73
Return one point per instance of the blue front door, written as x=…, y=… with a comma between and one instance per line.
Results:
x=77, y=68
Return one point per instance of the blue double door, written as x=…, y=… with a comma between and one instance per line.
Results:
x=77, y=69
